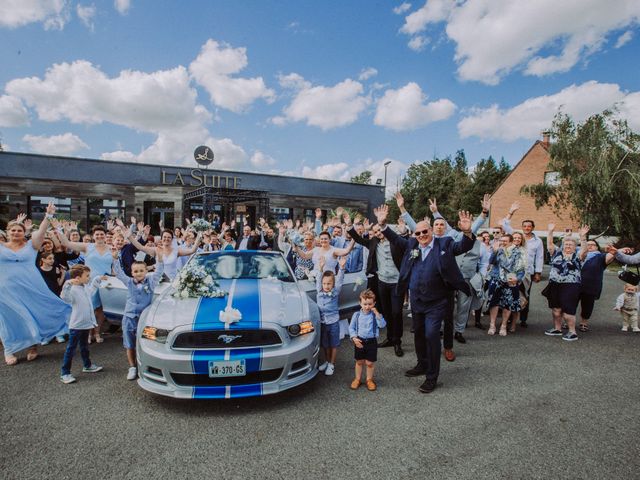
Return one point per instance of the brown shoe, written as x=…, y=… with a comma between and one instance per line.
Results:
x=355, y=384
x=371, y=385
x=449, y=355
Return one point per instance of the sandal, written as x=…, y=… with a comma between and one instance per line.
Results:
x=32, y=354
x=503, y=331
x=99, y=339
x=583, y=327
x=11, y=360
x=491, y=331
x=355, y=384
x=371, y=385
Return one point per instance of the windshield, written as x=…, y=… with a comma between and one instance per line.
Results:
x=245, y=264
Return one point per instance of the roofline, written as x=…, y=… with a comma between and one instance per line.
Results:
x=519, y=162
x=164, y=165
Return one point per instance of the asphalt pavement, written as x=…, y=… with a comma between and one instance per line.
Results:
x=525, y=406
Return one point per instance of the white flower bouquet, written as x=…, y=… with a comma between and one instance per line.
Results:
x=200, y=225
x=194, y=281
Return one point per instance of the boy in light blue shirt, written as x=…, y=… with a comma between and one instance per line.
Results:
x=140, y=287
x=328, y=286
x=364, y=331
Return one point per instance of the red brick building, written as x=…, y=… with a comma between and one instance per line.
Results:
x=532, y=168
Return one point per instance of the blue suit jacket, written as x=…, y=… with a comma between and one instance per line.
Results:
x=444, y=248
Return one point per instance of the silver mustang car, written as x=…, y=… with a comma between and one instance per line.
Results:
x=260, y=337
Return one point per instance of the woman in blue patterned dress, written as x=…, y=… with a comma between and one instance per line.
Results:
x=29, y=312
x=509, y=266
x=563, y=291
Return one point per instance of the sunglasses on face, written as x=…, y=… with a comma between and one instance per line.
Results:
x=422, y=232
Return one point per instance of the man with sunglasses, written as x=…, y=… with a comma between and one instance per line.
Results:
x=430, y=272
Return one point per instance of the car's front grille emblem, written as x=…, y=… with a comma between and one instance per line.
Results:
x=228, y=338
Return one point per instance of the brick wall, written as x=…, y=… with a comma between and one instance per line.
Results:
x=530, y=170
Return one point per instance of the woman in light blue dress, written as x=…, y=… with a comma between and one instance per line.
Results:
x=97, y=256
x=29, y=312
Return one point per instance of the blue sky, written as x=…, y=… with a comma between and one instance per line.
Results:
x=324, y=89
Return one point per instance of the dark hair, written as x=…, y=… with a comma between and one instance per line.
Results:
x=594, y=241
x=98, y=228
x=167, y=230
x=329, y=273
x=325, y=233
x=46, y=255
x=137, y=262
x=507, y=235
x=533, y=224
x=77, y=270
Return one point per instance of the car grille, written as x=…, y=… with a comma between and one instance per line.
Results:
x=203, y=380
x=216, y=339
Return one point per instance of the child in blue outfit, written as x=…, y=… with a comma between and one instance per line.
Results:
x=140, y=287
x=363, y=330
x=78, y=292
x=328, y=286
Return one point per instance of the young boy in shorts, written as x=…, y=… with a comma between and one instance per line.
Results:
x=363, y=330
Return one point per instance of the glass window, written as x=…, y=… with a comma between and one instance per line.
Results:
x=10, y=207
x=101, y=210
x=552, y=178
x=280, y=213
x=38, y=207
x=241, y=264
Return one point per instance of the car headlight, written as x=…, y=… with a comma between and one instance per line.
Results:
x=156, y=334
x=298, y=329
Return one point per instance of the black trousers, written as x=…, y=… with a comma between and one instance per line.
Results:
x=524, y=313
x=447, y=336
x=391, y=305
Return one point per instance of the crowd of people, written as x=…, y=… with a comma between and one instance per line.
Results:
x=448, y=276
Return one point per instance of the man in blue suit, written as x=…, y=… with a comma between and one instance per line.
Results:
x=430, y=272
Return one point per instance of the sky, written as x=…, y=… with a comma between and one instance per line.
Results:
x=321, y=89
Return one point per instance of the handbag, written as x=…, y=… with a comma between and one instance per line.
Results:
x=629, y=277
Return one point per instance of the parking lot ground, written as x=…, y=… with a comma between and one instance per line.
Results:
x=524, y=406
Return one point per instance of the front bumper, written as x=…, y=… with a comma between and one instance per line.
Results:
x=183, y=373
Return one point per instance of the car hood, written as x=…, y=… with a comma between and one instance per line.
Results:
x=257, y=301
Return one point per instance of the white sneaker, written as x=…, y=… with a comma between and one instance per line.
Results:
x=132, y=374
x=625, y=329
x=67, y=378
x=323, y=367
x=636, y=329
x=60, y=339
x=330, y=369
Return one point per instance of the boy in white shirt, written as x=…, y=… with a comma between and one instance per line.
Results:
x=78, y=292
x=627, y=304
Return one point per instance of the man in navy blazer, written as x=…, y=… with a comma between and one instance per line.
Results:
x=430, y=272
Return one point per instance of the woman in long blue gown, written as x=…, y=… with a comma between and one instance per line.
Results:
x=29, y=311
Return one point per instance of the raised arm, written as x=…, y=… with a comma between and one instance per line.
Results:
x=132, y=239
x=357, y=238
x=185, y=252
x=551, y=247
x=38, y=236
x=465, y=242
x=406, y=216
x=341, y=252
x=381, y=214
x=583, y=231
x=66, y=243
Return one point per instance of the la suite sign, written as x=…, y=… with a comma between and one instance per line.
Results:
x=198, y=178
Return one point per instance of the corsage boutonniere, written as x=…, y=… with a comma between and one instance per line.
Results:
x=415, y=253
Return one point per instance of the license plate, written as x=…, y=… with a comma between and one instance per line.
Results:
x=227, y=368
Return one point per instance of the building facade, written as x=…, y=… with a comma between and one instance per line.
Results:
x=90, y=191
x=531, y=169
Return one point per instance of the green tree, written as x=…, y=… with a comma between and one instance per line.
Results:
x=599, y=165
x=486, y=176
x=362, y=177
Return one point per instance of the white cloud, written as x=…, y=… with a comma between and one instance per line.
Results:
x=261, y=160
x=53, y=14
x=367, y=73
x=64, y=144
x=12, y=112
x=407, y=109
x=122, y=6
x=529, y=118
x=400, y=9
x=494, y=37
x=624, y=39
x=86, y=15
x=213, y=68
x=293, y=81
x=343, y=171
x=418, y=43
x=320, y=106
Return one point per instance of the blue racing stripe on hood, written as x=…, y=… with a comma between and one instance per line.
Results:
x=246, y=298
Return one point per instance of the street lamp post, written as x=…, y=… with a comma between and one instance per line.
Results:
x=386, y=165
